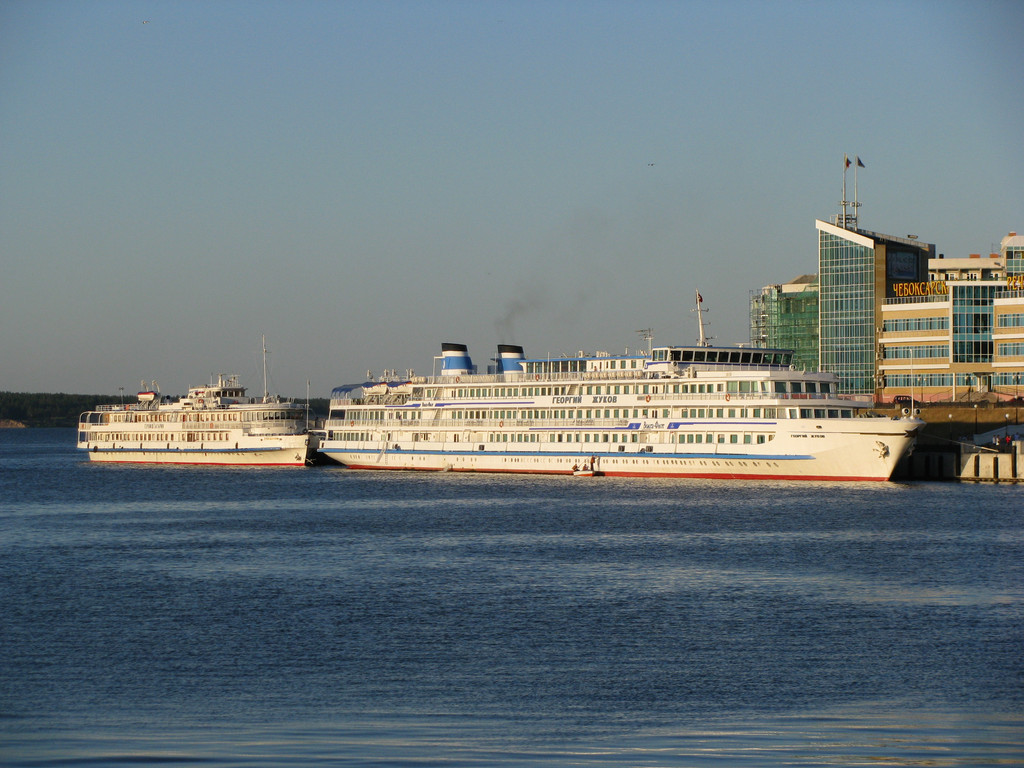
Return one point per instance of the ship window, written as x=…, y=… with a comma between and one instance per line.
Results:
x=819, y=413
x=806, y=413
x=687, y=355
x=733, y=386
x=734, y=438
x=797, y=387
x=811, y=387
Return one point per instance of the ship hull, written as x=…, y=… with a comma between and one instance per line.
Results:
x=296, y=451
x=843, y=456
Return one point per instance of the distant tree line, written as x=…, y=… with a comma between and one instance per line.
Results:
x=60, y=410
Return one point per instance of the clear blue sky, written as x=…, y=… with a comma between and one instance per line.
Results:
x=363, y=181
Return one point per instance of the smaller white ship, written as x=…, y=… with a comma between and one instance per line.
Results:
x=213, y=424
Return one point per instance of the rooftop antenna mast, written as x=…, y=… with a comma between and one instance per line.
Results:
x=703, y=340
x=647, y=334
x=844, y=202
x=855, y=216
x=848, y=219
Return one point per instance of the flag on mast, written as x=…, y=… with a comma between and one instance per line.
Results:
x=859, y=163
x=846, y=161
x=700, y=300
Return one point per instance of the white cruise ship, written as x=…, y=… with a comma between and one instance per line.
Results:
x=213, y=424
x=676, y=411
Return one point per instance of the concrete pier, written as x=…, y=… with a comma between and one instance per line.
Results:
x=981, y=465
x=971, y=463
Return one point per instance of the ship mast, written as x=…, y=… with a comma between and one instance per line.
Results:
x=647, y=334
x=703, y=340
x=266, y=394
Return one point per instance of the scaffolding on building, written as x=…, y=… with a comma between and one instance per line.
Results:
x=786, y=317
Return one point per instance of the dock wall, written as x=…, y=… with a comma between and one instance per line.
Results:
x=969, y=463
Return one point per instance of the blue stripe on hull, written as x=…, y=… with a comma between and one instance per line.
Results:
x=331, y=452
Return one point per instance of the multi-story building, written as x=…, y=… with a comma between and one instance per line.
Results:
x=857, y=272
x=960, y=334
x=894, y=319
x=785, y=316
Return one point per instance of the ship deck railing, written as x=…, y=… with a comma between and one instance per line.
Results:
x=652, y=400
x=584, y=376
x=515, y=423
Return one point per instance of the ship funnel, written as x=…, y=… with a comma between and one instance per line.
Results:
x=455, y=360
x=510, y=358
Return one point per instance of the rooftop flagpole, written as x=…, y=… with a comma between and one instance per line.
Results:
x=856, y=204
x=843, y=202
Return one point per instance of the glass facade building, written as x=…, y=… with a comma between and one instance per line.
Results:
x=857, y=271
x=894, y=320
x=972, y=322
x=786, y=317
x=846, y=308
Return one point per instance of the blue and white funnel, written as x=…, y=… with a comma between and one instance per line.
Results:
x=455, y=360
x=510, y=358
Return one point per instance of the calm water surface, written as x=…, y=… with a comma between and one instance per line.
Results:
x=292, y=617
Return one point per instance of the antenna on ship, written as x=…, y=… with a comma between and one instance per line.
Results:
x=703, y=340
x=266, y=394
x=647, y=334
